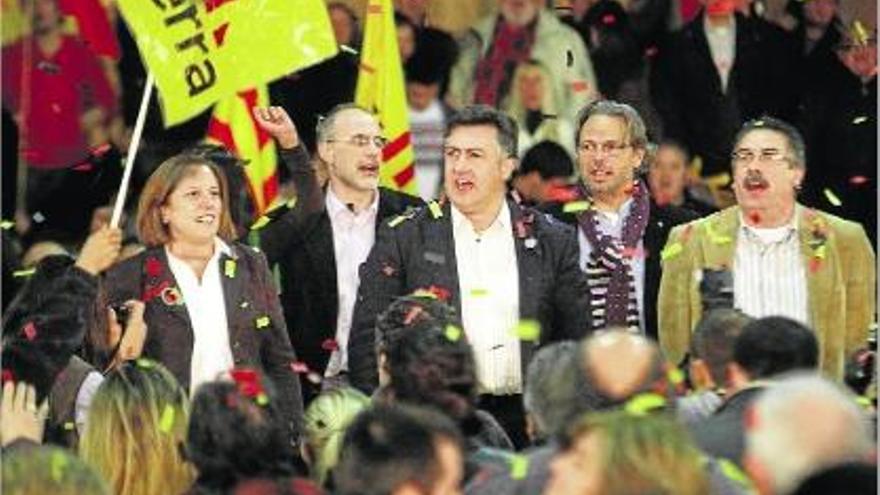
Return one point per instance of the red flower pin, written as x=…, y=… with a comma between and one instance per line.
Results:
x=153, y=267
x=29, y=330
x=330, y=345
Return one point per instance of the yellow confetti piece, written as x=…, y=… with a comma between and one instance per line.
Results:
x=676, y=376
x=7, y=224
x=519, y=467
x=859, y=33
x=244, y=304
x=860, y=119
x=58, y=465
x=642, y=404
x=69, y=426
x=399, y=219
x=261, y=222
x=229, y=268
x=732, y=472
x=453, y=333
x=864, y=402
x=262, y=399
x=144, y=363
x=24, y=273
x=436, y=212
x=576, y=206
x=528, y=330
x=424, y=293
x=166, y=422
x=831, y=197
x=263, y=322
x=821, y=251
x=671, y=251
x=479, y=292
x=714, y=237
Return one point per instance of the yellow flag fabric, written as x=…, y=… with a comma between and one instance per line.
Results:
x=232, y=125
x=380, y=87
x=203, y=50
x=13, y=22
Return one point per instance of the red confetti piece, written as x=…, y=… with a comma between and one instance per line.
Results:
x=153, y=267
x=561, y=193
x=248, y=382
x=608, y=19
x=330, y=345
x=299, y=367
x=29, y=330
x=579, y=86
x=412, y=314
x=83, y=167
x=815, y=264
x=441, y=292
x=7, y=376
x=858, y=180
x=154, y=291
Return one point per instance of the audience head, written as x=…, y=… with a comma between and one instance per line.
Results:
x=406, y=37
x=857, y=51
x=400, y=450
x=424, y=76
x=345, y=24
x=186, y=199
x=519, y=12
x=712, y=346
x=769, y=346
x=48, y=469
x=350, y=142
x=480, y=149
x=532, y=90
x=800, y=426
x=326, y=419
x=628, y=454
x=136, y=424
x=769, y=165
x=543, y=166
x=667, y=175
x=237, y=432
x=241, y=203
x=820, y=13
x=549, y=383
x=611, y=144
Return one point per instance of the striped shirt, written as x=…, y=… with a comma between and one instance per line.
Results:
x=769, y=278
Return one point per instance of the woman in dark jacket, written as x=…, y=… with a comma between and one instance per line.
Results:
x=210, y=302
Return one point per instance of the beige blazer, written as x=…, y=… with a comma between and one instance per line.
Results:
x=840, y=267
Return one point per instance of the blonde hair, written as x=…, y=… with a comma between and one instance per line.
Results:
x=162, y=182
x=49, y=469
x=326, y=420
x=645, y=454
x=137, y=421
x=513, y=106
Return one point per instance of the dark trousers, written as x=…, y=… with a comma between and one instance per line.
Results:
x=508, y=410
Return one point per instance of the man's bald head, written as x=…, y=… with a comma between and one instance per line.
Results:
x=619, y=365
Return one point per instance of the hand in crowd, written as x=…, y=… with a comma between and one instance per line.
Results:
x=134, y=335
x=276, y=122
x=19, y=415
x=100, y=250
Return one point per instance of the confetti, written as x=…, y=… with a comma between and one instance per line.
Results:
x=69, y=426
x=262, y=322
x=820, y=251
x=299, y=367
x=24, y=273
x=58, y=465
x=244, y=304
x=314, y=377
x=479, y=292
x=144, y=363
x=608, y=19
x=576, y=206
x=579, y=86
x=528, y=330
x=519, y=466
x=29, y=331
x=642, y=404
x=831, y=197
x=633, y=253
x=858, y=180
x=815, y=264
x=39, y=217
x=399, y=219
x=388, y=270
x=531, y=243
x=6, y=224
x=675, y=376
x=166, y=423
x=561, y=193
x=153, y=267
x=229, y=268
x=651, y=51
x=262, y=399
x=412, y=314
x=436, y=212
x=452, y=333
x=860, y=119
x=348, y=49
x=261, y=222
x=671, y=251
x=714, y=237
x=330, y=345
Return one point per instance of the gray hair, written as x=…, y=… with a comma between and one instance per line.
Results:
x=785, y=439
x=635, y=126
x=326, y=124
x=549, y=386
x=795, y=140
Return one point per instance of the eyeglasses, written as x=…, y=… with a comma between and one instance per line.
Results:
x=745, y=156
x=610, y=148
x=362, y=140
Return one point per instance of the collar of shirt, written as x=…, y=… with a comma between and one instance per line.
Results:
x=220, y=247
x=772, y=235
x=610, y=218
x=335, y=207
x=462, y=225
x=719, y=32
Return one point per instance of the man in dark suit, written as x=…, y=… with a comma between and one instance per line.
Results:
x=320, y=241
x=621, y=231
x=510, y=271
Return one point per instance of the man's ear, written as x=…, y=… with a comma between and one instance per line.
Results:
x=701, y=377
x=508, y=165
x=736, y=376
x=325, y=152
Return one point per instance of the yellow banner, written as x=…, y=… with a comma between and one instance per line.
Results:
x=380, y=87
x=204, y=50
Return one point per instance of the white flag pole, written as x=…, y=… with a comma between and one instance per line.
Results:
x=132, y=151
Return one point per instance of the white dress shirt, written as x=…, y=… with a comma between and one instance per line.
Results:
x=211, y=354
x=353, y=237
x=611, y=223
x=769, y=278
x=488, y=279
x=722, y=47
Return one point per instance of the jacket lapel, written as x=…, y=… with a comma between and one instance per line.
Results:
x=720, y=232
x=439, y=255
x=160, y=289
x=528, y=263
x=233, y=275
x=818, y=264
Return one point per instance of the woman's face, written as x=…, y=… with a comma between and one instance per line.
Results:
x=193, y=209
x=531, y=89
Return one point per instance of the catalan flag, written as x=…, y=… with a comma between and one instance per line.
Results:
x=380, y=87
x=233, y=126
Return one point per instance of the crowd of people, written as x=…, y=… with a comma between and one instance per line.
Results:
x=641, y=260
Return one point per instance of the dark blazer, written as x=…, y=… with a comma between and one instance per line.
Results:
x=661, y=219
x=420, y=251
x=687, y=89
x=299, y=240
x=723, y=433
x=250, y=295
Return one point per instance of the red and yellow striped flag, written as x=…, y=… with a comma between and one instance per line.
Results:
x=380, y=87
x=233, y=126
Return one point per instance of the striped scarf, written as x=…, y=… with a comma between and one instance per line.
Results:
x=611, y=283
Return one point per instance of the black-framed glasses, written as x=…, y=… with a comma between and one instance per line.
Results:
x=362, y=140
x=607, y=147
x=745, y=156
